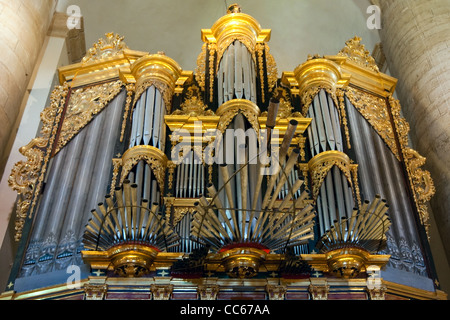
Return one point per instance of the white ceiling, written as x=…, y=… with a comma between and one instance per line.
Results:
x=299, y=27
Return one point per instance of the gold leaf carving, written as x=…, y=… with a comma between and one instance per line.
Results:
x=83, y=105
x=104, y=48
x=375, y=111
x=320, y=165
x=200, y=70
x=357, y=53
x=26, y=177
x=272, y=72
x=193, y=104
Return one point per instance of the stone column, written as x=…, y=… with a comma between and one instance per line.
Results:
x=415, y=36
x=23, y=27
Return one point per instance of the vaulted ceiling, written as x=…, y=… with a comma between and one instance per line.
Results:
x=299, y=27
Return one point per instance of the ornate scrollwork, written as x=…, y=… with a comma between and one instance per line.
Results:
x=155, y=158
x=104, y=48
x=26, y=177
x=272, y=71
x=420, y=180
x=200, y=70
x=193, y=104
x=320, y=165
x=357, y=53
x=231, y=108
x=374, y=110
x=83, y=105
x=422, y=183
x=165, y=90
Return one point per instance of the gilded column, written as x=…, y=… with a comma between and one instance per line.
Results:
x=415, y=37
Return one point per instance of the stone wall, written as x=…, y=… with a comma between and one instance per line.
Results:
x=416, y=40
x=23, y=27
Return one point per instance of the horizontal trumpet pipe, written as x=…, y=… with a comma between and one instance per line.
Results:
x=213, y=194
x=294, y=188
x=284, y=173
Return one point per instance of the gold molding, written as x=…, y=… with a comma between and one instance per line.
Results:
x=235, y=26
x=325, y=262
x=161, y=71
x=153, y=156
x=231, y=108
x=320, y=165
x=314, y=73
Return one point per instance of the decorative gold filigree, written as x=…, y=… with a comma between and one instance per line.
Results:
x=285, y=108
x=104, y=48
x=27, y=177
x=260, y=50
x=200, y=70
x=272, y=72
x=375, y=111
x=212, y=47
x=225, y=44
x=231, y=108
x=422, y=183
x=343, y=114
x=84, y=104
x=320, y=165
x=357, y=53
x=130, y=91
x=154, y=157
x=193, y=104
x=162, y=87
x=419, y=179
x=308, y=96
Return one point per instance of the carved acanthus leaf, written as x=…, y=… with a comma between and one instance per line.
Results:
x=83, y=105
x=357, y=53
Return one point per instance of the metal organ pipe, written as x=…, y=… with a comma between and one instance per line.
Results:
x=335, y=199
x=236, y=76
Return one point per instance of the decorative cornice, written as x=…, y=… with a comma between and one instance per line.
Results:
x=161, y=71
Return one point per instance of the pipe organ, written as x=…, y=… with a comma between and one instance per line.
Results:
x=145, y=173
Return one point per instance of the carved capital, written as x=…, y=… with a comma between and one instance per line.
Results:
x=208, y=292
x=161, y=292
x=276, y=292
x=319, y=292
x=95, y=291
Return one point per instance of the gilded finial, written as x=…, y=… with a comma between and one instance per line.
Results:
x=234, y=8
